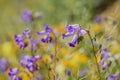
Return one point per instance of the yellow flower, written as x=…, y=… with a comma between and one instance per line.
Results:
x=96, y=28
x=64, y=62
x=46, y=58
x=60, y=69
x=8, y=51
x=82, y=58
x=114, y=49
x=64, y=51
x=7, y=48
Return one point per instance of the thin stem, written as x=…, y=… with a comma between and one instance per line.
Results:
x=55, y=57
x=117, y=63
x=94, y=54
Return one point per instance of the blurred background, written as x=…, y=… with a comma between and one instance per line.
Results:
x=102, y=17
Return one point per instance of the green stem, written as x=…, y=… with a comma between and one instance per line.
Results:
x=94, y=54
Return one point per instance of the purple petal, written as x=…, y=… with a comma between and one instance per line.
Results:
x=67, y=34
x=82, y=32
x=104, y=66
x=97, y=19
x=46, y=37
x=35, y=57
x=27, y=16
x=47, y=29
x=41, y=33
x=3, y=65
x=74, y=40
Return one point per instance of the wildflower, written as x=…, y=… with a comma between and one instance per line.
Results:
x=26, y=33
x=37, y=76
x=3, y=65
x=13, y=74
x=103, y=54
x=97, y=19
x=104, y=66
x=33, y=45
x=45, y=32
x=113, y=76
x=29, y=62
x=82, y=73
x=27, y=16
x=19, y=41
x=73, y=30
x=68, y=72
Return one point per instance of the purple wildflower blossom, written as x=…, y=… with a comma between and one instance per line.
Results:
x=113, y=76
x=35, y=57
x=33, y=45
x=16, y=78
x=104, y=65
x=97, y=19
x=45, y=32
x=26, y=33
x=73, y=30
x=29, y=62
x=27, y=16
x=81, y=73
x=19, y=41
x=74, y=40
x=3, y=65
x=12, y=72
x=37, y=76
x=68, y=72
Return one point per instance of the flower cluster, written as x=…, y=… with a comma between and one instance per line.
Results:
x=74, y=30
x=27, y=15
x=29, y=62
x=105, y=63
x=104, y=55
x=20, y=40
x=46, y=34
x=13, y=74
x=113, y=76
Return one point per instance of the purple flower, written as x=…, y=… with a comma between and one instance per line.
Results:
x=104, y=52
x=73, y=30
x=33, y=45
x=45, y=32
x=35, y=57
x=97, y=19
x=27, y=16
x=3, y=65
x=16, y=78
x=81, y=73
x=37, y=76
x=113, y=76
x=26, y=33
x=74, y=40
x=12, y=72
x=19, y=41
x=68, y=72
x=30, y=67
x=24, y=59
x=29, y=62
x=104, y=65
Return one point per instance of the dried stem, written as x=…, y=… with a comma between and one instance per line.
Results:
x=94, y=54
